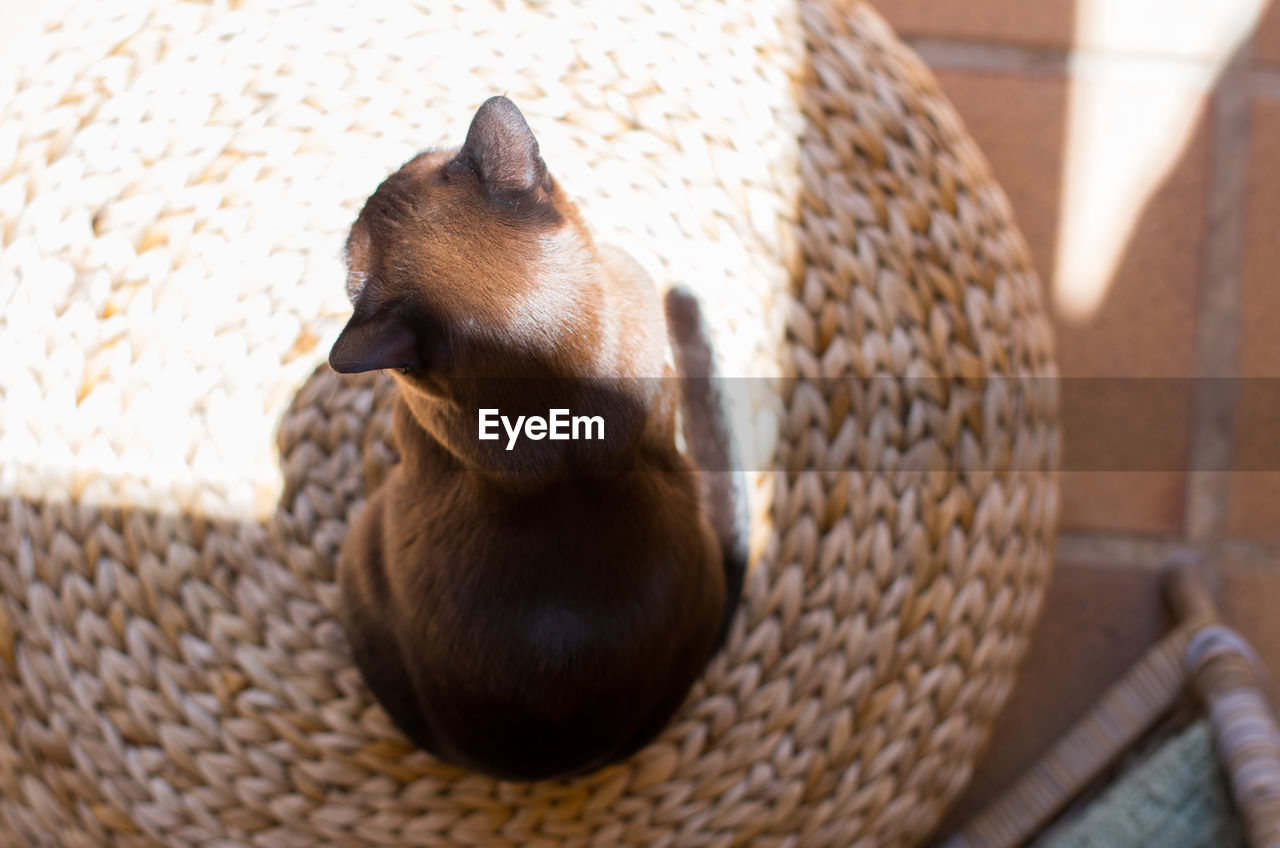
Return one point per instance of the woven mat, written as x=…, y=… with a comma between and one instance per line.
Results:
x=175, y=184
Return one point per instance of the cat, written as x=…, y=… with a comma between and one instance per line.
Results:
x=537, y=612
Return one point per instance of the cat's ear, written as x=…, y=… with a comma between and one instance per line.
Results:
x=385, y=339
x=502, y=149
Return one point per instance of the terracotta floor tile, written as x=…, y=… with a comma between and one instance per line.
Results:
x=1191, y=29
x=1144, y=325
x=1046, y=23
x=1266, y=39
x=1145, y=502
x=1019, y=122
x=1124, y=450
x=1254, y=506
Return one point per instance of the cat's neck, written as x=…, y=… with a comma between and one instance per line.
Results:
x=589, y=342
x=503, y=426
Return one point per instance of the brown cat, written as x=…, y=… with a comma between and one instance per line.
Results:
x=528, y=607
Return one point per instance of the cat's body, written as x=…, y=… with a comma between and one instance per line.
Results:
x=540, y=611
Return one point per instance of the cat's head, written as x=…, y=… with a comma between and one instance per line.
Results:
x=464, y=257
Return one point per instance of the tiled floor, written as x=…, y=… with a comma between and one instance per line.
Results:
x=1139, y=142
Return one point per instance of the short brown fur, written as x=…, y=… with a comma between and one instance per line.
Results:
x=542, y=611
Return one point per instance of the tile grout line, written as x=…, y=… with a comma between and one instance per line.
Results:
x=990, y=56
x=998, y=57
x=1116, y=550
x=1082, y=62
x=1216, y=337
x=1150, y=552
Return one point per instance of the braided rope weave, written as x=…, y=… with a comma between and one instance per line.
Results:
x=175, y=180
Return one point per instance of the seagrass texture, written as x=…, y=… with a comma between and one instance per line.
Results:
x=175, y=182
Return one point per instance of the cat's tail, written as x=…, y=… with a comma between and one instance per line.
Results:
x=710, y=440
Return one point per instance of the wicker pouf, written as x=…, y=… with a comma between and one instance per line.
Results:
x=175, y=184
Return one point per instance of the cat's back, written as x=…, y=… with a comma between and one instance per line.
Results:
x=581, y=540
x=551, y=631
